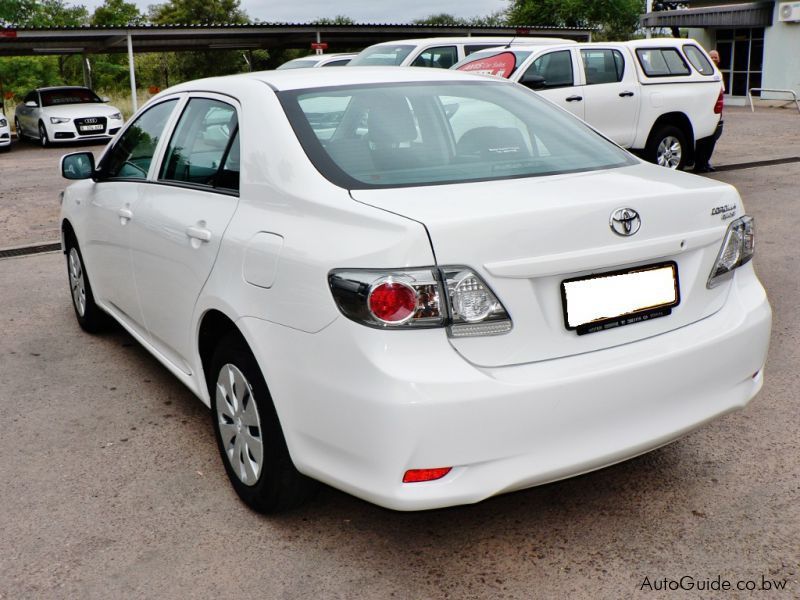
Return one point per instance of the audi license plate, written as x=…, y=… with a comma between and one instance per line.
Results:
x=619, y=298
x=91, y=127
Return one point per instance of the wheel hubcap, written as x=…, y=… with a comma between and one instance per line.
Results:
x=77, y=282
x=239, y=424
x=669, y=152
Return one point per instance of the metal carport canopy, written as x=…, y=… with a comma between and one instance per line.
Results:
x=177, y=38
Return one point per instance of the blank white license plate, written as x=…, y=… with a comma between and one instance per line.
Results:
x=620, y=298
x=91, y=127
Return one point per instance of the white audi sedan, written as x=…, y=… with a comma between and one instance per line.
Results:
x=421, y=287
x=65, y=114
x=5, y=133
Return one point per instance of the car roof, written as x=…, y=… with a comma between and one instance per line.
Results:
x=324, y=56
x=295, y=79
x=61, y=87
x=500, y=39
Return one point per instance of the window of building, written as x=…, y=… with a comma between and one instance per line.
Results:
x=741, y=54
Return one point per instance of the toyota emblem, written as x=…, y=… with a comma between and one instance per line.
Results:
x=625, y=221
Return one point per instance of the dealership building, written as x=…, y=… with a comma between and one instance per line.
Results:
x=758, y=42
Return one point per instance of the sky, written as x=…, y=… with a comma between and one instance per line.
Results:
x=362, y=11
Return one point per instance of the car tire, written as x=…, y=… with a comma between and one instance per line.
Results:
x=20, y=133
x=90, y=317
x=249, y=435
x=44, y=142
x=668, y=147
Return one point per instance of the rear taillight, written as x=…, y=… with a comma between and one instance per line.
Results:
x=720, y=102
x=452, y=297
x=737, y=249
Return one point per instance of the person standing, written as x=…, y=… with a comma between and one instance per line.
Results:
x=705, y=147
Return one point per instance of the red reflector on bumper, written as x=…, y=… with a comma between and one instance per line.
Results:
x=417, y=475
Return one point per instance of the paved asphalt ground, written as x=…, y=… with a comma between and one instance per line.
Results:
x=111, y=485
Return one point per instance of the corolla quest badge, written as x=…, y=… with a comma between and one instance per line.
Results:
x=625, y=221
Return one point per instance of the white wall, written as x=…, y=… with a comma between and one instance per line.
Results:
x=781, y=56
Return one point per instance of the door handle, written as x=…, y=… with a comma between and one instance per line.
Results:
x=125, y=215
x=574, y=98
x=199, y=233
x=625, y=94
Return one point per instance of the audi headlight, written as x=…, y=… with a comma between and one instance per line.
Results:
x=737, y=249
x=57, y=120
x=116, y=117
x=3, y=122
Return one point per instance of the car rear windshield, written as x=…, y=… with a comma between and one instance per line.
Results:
x=68, y=96
x=386, y=54
x=409, y=134
x=298, y=64
x=662, y=62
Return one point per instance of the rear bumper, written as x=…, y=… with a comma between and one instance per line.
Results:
x=359, y=406
x=715, y=136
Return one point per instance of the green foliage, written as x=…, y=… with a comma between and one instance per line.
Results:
x=42, y=13
x=337, y=20
x=618, y=19
x=494, y=19
x=184, y=66
x=21, y=74
x=197, y=12
x=117, y=12
x=440, y=19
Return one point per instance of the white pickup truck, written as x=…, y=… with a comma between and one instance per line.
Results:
x=661, y=98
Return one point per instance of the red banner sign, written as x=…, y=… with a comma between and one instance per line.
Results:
x=499, y=65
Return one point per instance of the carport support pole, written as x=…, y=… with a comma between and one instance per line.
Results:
x=132, y=73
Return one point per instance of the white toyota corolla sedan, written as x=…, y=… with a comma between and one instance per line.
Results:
x=421, y=287
x=65, y=114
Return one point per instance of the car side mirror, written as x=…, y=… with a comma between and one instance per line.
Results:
x=78, y=165
x=534, y=82
x=105, y=99
x=31, y=104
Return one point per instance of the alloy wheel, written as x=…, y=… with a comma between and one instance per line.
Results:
x=669, y=152
x=77, y=282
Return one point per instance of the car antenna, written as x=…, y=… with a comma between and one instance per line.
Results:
x=511, y=42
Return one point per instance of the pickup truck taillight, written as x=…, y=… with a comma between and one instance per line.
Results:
x=720, y=103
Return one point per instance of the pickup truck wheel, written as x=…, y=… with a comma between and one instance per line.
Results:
x=667, y=147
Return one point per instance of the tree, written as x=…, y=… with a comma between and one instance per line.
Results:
x=198, y=12
x=337, y=20
x=440, y=19
x=191, y=65
x=494, y=19
x=618, y=19
x=42, y=13
x=117, y=12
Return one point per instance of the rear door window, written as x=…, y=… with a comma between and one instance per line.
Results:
x=200, y=143
x=603, y=66
x=441, y=57
x=662, y=62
